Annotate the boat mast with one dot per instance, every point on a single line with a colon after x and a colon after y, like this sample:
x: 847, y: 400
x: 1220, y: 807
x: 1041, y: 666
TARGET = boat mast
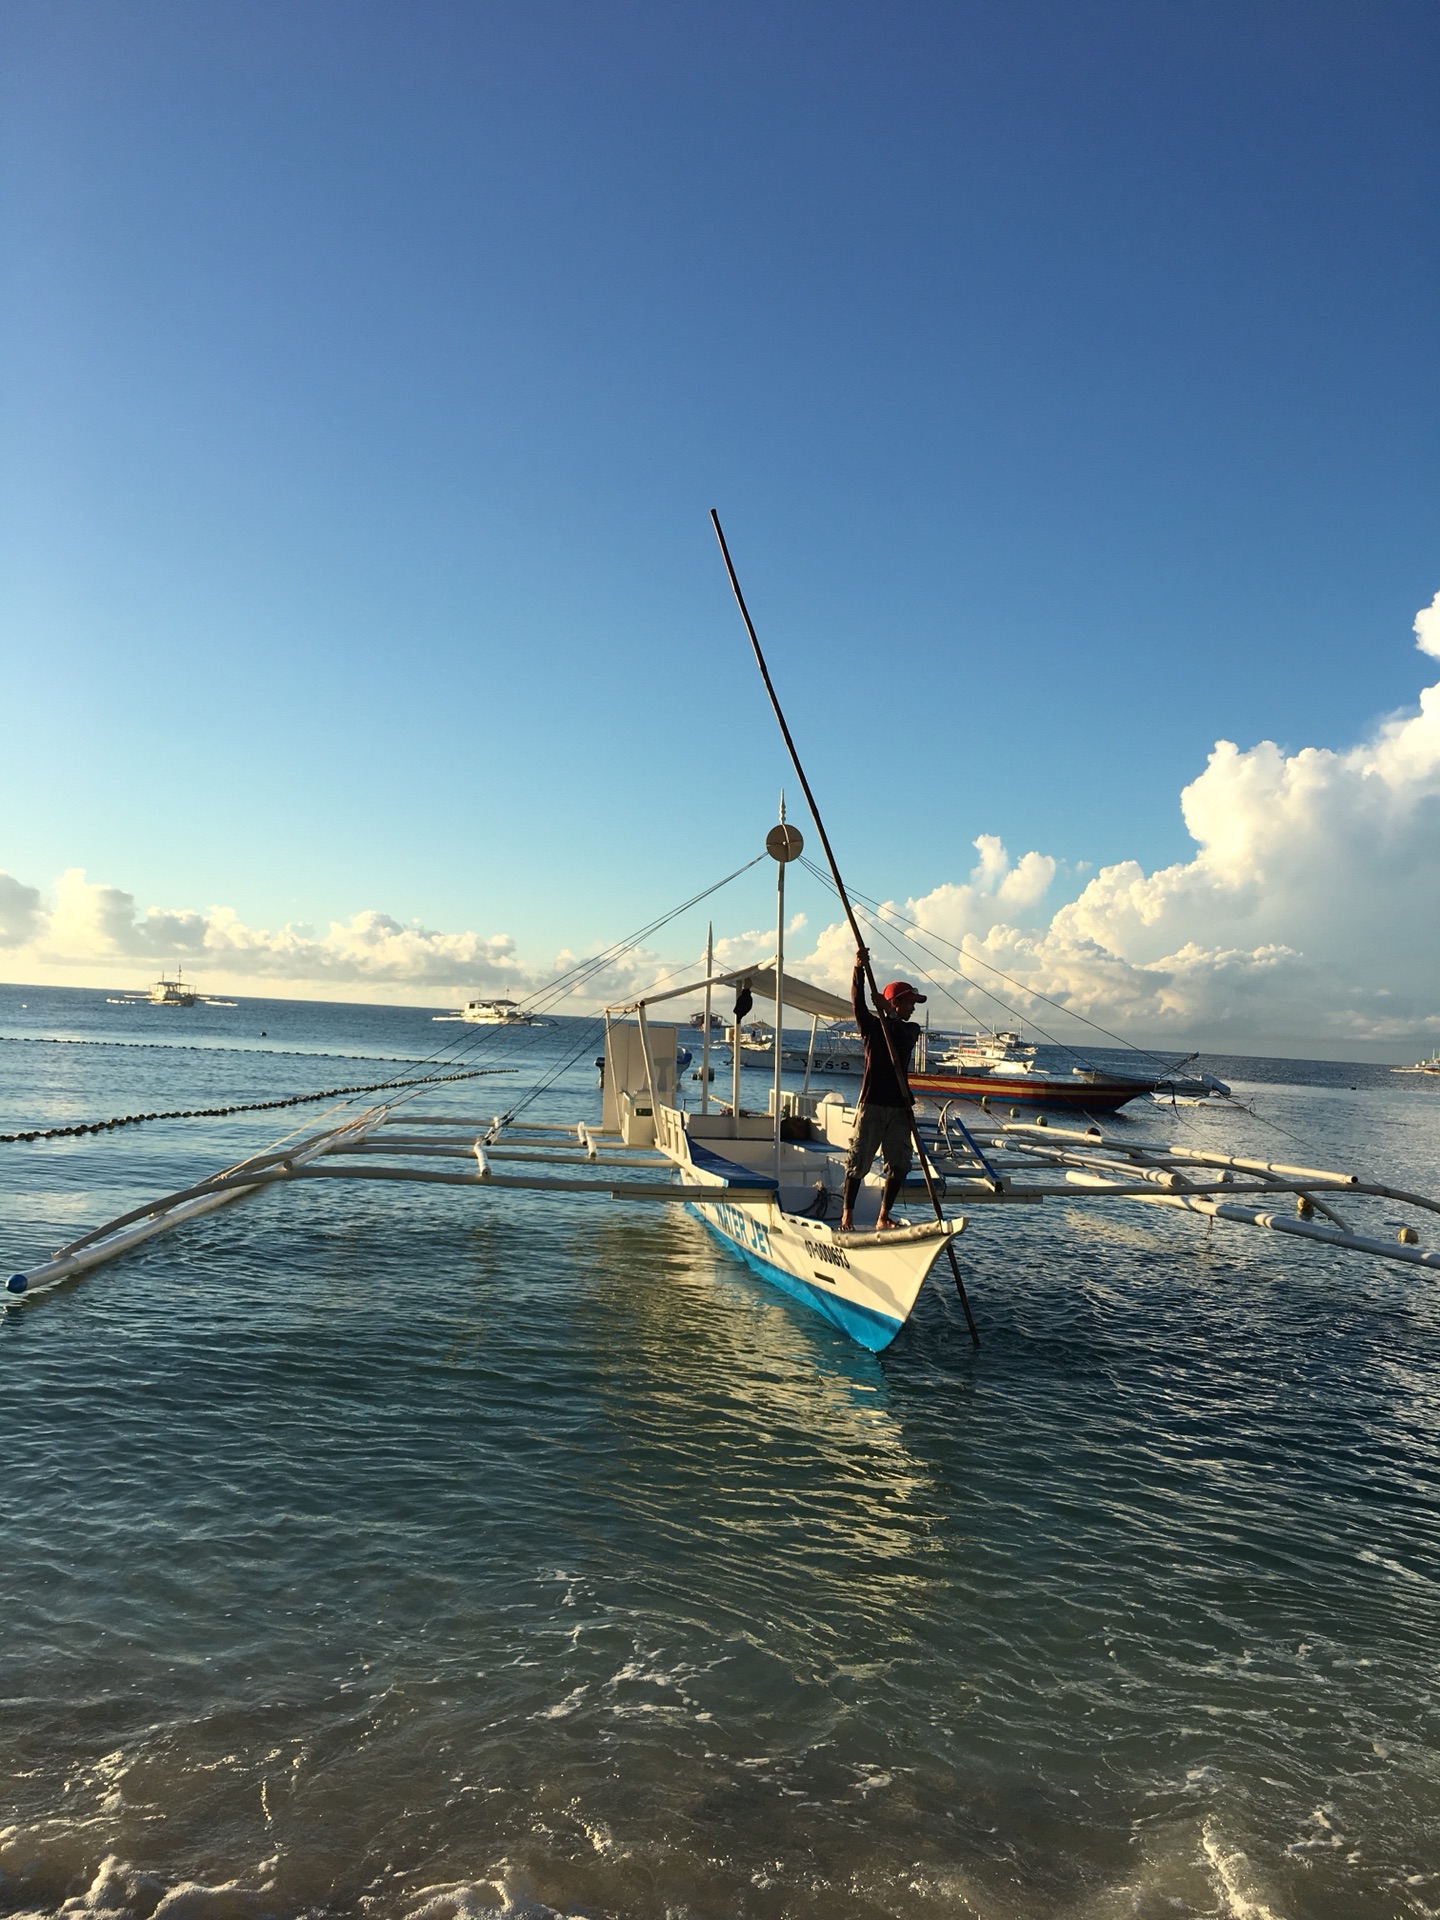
x: 991, y: 1177
x: 783, y: 844
x: 705, y: 1051
x: 735, y: 1071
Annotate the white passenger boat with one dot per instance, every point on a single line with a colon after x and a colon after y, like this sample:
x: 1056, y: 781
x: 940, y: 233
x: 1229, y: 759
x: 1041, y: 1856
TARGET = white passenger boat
x: 496, y: 1013
x: 491, y: 1013
x: 1432, y: 1065
x: 834, y: 1048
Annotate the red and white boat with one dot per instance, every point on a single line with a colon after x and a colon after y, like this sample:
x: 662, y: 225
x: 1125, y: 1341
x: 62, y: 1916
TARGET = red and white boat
x: 1000, y: 1068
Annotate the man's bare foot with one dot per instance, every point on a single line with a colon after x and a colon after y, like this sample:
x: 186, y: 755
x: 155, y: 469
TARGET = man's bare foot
x: 884, y: 1223
x: 847, y: 1225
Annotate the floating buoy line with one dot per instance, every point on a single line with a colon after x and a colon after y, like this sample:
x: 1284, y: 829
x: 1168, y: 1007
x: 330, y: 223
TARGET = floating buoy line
x: 181, y: 1046
x: 249, y: 1106
x: 291, y: 1156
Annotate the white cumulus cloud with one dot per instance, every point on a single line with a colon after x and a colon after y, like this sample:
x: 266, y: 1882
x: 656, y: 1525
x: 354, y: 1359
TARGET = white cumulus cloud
x: 1307, y: 914
x: 1310, y: 908
x: 92, y: 931
x: 1427, y: 628
x: 21, y: 912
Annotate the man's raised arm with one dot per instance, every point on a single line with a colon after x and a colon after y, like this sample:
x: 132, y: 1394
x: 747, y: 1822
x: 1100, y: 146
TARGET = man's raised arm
x: 857, y: 992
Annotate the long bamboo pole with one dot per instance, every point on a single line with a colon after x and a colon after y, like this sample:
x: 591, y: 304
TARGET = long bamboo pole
x: 860, y: 945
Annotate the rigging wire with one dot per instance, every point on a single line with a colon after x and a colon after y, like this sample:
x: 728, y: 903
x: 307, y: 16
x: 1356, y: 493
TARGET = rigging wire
x: 1145, y: 1053
x: 437, y: 1059
x: 874, y: 923
x: 871, y: 916
x: 463, y: 1047
x: 593, y: 1029
x: 893, y: 912
x: 548, y: 997
x: 875, y: 916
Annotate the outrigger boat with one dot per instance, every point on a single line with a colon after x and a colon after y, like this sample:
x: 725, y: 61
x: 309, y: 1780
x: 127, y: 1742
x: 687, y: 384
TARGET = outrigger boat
x: 767, y: 1184
x: 166, y: 992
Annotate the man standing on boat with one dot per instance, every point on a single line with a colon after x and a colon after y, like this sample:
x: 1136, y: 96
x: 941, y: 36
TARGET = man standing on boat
x: 882, y: 1120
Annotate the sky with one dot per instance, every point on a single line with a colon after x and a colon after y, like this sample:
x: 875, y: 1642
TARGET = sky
x: 1066, y: 379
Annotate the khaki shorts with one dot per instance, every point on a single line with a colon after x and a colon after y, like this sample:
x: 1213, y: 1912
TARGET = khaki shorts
x: 882, y: 1130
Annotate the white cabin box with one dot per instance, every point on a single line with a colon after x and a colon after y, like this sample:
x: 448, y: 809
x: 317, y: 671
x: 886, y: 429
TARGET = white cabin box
x: 629, y: 1107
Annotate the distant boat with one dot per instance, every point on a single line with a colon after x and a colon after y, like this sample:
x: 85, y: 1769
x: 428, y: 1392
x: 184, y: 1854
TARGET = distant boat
x: 837, y: 1048
x: 1432, y: 1065
x: 1001, y: 1066
x: 492, y: 1013
x: 172, y: 993
x: 166, y: 992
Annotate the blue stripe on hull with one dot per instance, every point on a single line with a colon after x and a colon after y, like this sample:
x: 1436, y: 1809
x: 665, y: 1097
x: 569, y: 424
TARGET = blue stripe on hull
x: 863, y: 1324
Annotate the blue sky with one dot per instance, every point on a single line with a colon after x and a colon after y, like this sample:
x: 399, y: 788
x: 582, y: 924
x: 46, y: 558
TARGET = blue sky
x: 1065, y: 375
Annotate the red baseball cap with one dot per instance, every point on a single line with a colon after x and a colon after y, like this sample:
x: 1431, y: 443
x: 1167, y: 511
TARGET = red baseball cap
x: 902, y: 990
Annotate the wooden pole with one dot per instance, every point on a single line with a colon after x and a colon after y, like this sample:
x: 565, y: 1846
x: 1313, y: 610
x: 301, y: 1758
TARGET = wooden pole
x: 860, y: 946
x: 775, y: 1081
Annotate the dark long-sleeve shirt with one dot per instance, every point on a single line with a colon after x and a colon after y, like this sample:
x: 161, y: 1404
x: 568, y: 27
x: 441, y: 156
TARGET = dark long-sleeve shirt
x: 879, y: 1087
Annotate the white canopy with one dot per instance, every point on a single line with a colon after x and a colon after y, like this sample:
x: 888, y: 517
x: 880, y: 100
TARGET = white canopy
x: 800, y: 996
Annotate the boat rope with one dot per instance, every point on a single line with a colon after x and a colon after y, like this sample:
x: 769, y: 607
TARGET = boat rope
x: 872, y: 919
x: 445, y: 1056
x: 878, y: 921
x: 545, y: 999
x: 444, y: 1069
x: 593, y: 1030
x: 919, y: 935
x: 249, y: 1106
x: 901, y: 948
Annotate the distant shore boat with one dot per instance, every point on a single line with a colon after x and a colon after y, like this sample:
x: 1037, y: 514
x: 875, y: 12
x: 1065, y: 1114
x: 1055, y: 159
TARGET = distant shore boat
x: 166, y: 992
x: 492, y: 1013
x: 172, y: 993
x: 1432, y: 1065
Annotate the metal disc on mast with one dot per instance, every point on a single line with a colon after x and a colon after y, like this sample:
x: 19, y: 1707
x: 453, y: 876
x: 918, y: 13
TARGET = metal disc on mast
x: 784, y: 843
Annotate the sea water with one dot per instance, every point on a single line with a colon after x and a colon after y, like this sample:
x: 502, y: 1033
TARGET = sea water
x: 388, y: 1550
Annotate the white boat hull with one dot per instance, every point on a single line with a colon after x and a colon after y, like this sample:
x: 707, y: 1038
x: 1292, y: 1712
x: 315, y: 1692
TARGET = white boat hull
x: 867, y: 1290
